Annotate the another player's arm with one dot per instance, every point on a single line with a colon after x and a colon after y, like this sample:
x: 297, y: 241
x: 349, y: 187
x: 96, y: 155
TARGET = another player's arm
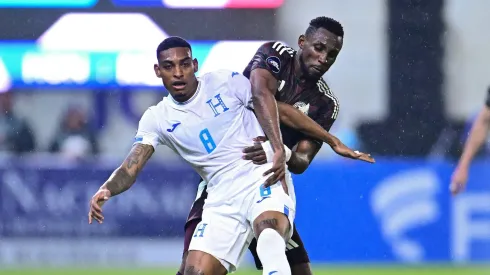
x: 476, y: 138
x: 295, y: 119
x: 264, y: 87
x: 306, y: 151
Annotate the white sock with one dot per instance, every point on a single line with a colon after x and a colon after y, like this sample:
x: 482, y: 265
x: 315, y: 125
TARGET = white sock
x: 271, y: 249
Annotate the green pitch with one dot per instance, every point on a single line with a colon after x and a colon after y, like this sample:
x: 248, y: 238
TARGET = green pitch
x: 317, y: 271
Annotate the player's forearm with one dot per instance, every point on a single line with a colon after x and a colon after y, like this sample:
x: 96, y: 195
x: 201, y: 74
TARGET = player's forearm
x: 298, y: 163
x: 125, y: 175
x: 119, y: 181
x: 265, y: 107
x: 295, y: 119
x: 476, y: 137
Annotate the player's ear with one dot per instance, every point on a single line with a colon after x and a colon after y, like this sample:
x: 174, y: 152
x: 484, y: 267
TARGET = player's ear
x: 301, y: 41
x: 157, y: 71
x: 196, y: 65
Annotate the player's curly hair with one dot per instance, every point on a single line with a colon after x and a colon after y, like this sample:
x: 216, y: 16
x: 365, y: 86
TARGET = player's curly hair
x: 327, y: 23
x: 173, y: 42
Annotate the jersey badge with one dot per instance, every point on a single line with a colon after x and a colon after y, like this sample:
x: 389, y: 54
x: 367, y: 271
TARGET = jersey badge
x: 274, y: 64
x: 303, y: 107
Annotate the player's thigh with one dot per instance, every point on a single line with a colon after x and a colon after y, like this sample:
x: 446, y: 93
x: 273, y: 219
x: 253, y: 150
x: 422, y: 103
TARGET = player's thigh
x: 199, y: 262
x: 223, y: 234
x: 273, y: 208
x: 275, y: 220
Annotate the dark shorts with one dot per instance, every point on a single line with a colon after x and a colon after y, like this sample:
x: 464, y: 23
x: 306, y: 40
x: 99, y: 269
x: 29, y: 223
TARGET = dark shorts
x: 295, y: 250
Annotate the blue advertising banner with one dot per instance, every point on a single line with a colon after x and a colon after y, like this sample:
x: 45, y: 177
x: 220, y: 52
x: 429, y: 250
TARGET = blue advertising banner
x: 53, y: 202
x: 394, y: 210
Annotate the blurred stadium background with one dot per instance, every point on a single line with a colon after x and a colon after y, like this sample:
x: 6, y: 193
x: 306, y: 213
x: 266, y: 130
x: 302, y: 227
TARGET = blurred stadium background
x: 76, y: 75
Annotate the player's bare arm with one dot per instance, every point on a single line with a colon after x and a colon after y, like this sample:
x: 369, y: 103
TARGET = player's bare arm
x: 264, y: 87
x: 120, y: 180
x: 300, y: 160
x: 295, y: 119
x: 476, y: 138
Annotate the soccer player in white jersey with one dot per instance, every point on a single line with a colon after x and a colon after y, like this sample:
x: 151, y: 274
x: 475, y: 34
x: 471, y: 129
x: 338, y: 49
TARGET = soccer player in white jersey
x: 207, y: 122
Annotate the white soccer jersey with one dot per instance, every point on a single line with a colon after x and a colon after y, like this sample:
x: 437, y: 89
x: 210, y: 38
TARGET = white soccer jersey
x: 209, y: 131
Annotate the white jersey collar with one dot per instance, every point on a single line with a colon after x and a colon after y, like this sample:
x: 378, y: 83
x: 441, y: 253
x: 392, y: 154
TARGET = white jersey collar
x: 190, y: 99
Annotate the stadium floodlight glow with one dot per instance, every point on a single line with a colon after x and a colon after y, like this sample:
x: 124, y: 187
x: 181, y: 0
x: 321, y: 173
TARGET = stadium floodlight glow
x: 102, y: 32
x: 206, y: 4
x: 195, y: 3
x: 5, y: 82
x: 47, y: 3
x: 66, y: 67
x: 215, y: 61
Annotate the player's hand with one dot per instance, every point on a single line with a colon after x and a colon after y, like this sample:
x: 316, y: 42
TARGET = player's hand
x: 256, y: 152
x: 458, y: 180
x: 96, y: 203
x: 345, y: 151
x: 278, y: 170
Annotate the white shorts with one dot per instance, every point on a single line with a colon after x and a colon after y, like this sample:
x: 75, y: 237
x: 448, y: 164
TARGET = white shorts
x: 226, y: 229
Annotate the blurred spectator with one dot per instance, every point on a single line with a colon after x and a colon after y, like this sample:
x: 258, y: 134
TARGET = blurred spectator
x: 15, y: 134
x: 75, y: 138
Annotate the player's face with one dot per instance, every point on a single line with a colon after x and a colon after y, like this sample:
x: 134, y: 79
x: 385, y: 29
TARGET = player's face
x: 177, y: 70
x: 319, y: 51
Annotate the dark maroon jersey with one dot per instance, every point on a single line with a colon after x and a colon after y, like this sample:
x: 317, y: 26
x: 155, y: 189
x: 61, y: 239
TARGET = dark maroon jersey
x: 488, y: 97
x: 314, y: 99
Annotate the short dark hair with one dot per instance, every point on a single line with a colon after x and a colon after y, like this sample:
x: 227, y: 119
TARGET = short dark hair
x: 327, y: 23
x: 173, y: 42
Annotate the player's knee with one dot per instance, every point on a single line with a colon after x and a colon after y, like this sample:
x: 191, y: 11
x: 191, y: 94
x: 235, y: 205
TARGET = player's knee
x: 273, y: 220
x: 192, y: 270
x: 201, y: 263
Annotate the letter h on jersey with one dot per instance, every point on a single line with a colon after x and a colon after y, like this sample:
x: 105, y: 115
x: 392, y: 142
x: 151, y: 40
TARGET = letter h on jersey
x: 215, y: 106
x: 200, y: 230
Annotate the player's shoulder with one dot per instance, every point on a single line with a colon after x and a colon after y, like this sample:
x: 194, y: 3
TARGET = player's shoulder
x: 277, y: 48
x: 220, y: 77
x: 159, y: 108
x: 327, y: 93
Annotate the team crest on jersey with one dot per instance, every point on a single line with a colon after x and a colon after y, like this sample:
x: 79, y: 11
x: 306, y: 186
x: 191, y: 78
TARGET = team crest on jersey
x: 274, y: 63
x: 303, y: 107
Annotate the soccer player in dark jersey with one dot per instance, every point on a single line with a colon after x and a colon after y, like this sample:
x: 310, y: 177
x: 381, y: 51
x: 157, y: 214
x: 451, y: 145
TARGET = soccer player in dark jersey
x: 293, y: 78
x: 476, y: 138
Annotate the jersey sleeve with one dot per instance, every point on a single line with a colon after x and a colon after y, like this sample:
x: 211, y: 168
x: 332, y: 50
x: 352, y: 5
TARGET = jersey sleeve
x: 487, y: 102
x: 240, y: 86
x: 271, y: 56
x: 148, y: 130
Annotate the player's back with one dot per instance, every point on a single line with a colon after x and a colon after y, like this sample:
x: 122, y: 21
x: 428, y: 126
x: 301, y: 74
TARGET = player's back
x: 211, y: 129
